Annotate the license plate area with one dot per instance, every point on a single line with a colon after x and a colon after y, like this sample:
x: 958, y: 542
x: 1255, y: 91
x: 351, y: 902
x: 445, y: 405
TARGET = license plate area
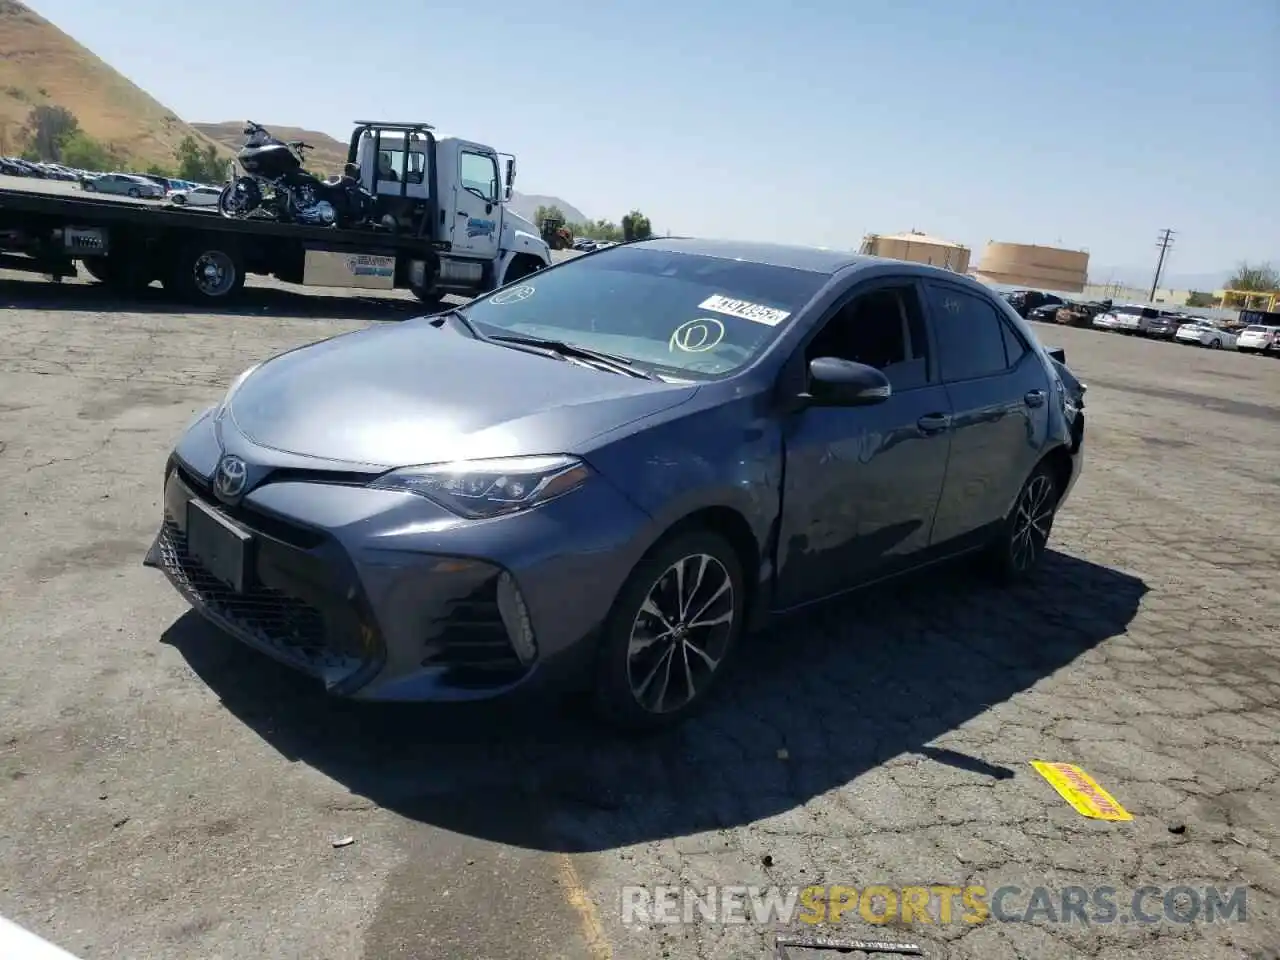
x: 218, y: 545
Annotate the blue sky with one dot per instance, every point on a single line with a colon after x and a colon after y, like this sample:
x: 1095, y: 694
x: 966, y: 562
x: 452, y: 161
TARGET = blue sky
x: 1088, y: 125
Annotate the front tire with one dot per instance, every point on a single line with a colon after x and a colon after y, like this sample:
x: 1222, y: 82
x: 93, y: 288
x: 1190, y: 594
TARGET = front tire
x: 1215, y: 344
x: 1019, y: 547
x: 672, y: 629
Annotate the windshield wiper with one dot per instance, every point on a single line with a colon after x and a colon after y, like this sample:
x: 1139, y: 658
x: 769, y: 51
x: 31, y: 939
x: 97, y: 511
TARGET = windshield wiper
x: 608, y: 360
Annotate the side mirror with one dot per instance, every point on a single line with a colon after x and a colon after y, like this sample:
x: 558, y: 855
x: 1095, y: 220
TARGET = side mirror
x: 1057, y: 353
x: 842, y: 383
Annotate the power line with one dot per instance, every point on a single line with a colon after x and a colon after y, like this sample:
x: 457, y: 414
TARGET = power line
x: 1164, y: 242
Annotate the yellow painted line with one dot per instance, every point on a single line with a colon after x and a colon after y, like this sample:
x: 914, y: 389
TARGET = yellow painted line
x: 1080, y: 790
x: 580, y: 900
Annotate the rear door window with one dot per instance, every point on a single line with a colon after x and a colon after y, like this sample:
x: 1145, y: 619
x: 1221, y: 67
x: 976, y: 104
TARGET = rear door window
x: 970, y: 334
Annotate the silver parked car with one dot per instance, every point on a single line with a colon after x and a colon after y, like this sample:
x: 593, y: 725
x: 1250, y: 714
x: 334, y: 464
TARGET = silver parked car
x: 124, y: 184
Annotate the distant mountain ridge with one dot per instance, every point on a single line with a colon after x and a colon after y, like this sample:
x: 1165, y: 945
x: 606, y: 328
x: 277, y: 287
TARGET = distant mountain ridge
x: 42, y: 66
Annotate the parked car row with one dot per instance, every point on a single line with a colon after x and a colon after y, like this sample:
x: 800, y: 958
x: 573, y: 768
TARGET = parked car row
x: 17, y: 167
x: 1147, y: 321
x: 586, y: 245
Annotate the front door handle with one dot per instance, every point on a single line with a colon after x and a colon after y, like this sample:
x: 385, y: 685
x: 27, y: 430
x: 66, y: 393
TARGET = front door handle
x: 934, y: 422
x: 1033, y: 398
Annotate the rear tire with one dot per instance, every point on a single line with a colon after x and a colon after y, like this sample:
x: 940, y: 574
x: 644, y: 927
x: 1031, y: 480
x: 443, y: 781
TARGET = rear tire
x: 664, y: 629
x: 1215, y: 344
x: 125, y: 275
x: 430, y: 298
x: 206, y: 273
x: 1024, y: 536
x: 133, y: 192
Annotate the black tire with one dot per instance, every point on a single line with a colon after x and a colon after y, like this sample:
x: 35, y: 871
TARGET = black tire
x: 1019, y: 547
x: 178, y: 201
x: 124, y: 274
x: 96, y: 267
x: 133, y: 192
x: 206, y: 273
x: 430, y: 298
x: 619, y: 674
x: 1215, y: 344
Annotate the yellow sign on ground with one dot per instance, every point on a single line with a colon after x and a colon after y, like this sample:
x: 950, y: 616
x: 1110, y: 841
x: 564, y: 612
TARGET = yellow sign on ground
x: 1081, y: 791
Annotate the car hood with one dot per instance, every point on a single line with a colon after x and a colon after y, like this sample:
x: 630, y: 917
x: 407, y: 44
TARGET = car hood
x: 415, y: 393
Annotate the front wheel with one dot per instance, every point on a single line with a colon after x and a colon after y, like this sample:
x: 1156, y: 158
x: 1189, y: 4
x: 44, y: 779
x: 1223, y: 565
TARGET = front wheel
x: 239, y: 198
x: 1215, y: 344
x: 671, y: 631
x: 178, y: 201
x: 1024, y: 536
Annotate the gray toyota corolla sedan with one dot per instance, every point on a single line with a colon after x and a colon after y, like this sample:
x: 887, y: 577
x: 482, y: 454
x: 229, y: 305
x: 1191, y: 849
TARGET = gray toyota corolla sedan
x: 604, y: 473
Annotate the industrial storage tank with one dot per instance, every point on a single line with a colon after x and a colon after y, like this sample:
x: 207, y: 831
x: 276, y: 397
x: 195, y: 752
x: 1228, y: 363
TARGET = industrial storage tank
x: 1027, y: 265
x: 918, y: 248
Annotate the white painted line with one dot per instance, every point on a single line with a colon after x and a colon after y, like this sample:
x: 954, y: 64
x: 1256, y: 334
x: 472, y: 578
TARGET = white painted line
x: 19, y: 944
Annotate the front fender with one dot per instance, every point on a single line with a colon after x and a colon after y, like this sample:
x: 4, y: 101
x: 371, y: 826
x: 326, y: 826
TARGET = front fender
x: 516, y: 243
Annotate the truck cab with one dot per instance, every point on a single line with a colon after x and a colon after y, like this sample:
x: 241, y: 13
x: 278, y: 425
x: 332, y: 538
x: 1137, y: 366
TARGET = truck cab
x: 450, y: 190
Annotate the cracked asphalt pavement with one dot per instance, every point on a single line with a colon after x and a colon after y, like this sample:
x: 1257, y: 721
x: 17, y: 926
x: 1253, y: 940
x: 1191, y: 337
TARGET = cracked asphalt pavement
x: 167, y: 793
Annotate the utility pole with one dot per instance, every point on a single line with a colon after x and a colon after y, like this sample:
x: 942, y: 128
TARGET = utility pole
x: 1164, y: 242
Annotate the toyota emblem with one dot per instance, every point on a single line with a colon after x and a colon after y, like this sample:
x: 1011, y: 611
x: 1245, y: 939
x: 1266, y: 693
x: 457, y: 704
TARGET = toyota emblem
x: 230, y: 478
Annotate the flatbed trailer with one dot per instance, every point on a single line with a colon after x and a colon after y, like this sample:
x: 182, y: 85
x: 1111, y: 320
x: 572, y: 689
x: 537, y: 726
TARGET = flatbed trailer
x: 195, y: 254
x: 441, y: 227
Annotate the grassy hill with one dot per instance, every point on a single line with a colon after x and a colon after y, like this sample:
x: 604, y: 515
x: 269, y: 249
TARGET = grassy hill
x: 42, y: 66
x: 328, y: 156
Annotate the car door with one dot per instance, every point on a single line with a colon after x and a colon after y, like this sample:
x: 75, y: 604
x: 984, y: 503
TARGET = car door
x: 476, y: 195
x: 999, y: 394
x: 861, y: 484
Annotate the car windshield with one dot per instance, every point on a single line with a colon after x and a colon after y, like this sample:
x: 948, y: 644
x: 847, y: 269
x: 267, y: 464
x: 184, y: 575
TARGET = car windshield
x: 674, y: 314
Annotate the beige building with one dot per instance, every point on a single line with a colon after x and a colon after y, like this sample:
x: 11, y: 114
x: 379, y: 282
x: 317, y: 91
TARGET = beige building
x: 918, y: 248
x: 1028, y: 265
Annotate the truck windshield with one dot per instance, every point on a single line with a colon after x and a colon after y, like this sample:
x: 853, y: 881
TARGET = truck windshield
x: 674, y: 314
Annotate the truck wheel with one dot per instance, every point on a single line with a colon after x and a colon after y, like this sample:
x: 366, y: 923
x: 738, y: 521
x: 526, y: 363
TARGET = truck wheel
x: 96, y: 267
x: 429, y: 297
x: 124, y: 275
x: 206, y: 273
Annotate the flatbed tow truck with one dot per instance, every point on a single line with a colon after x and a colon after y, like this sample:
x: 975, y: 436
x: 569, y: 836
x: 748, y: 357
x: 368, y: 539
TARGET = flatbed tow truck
x: 440, y: 227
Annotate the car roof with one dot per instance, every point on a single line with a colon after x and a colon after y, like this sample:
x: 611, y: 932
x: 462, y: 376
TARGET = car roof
x: 813, y: 259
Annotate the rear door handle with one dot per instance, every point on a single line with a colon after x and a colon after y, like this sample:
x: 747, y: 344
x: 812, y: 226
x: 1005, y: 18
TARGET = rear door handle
x: 1033, y: 398
x: 934, y: 422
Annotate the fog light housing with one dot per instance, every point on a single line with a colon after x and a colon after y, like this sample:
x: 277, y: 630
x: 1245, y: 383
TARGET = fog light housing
x: 516, y: 619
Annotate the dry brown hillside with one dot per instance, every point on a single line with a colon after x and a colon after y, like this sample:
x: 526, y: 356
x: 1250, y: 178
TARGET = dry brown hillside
x: 40, y: 65
x: 328, y: 156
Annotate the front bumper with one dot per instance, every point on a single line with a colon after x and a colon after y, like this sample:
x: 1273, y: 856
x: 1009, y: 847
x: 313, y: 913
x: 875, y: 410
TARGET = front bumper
x: 385, y: 596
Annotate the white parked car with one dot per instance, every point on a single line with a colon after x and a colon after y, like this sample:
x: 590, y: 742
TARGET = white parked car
x: 195, y: 197
x: 1128, y: 318
x: 1205, y: 334
x: 1260, y: 339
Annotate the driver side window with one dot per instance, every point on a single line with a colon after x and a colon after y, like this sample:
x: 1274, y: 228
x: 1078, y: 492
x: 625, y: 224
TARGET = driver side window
x: 882, y: 329
x: 480, y: 173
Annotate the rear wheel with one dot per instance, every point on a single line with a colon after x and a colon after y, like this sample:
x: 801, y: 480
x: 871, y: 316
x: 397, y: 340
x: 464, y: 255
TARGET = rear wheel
x: 429, y: 297
x: 1215, y: 344
x: 1024, y: 536
x: 124, y: 274
x: 133, y: 192
x: 672, y: 628
x: 206, y: 272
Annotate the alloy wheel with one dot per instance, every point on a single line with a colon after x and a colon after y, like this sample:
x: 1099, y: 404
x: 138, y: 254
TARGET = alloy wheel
x: 1032, y: 522
x: 681, y: 633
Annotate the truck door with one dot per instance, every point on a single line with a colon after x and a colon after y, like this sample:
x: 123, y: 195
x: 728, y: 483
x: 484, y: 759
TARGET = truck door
x: 476, y: 210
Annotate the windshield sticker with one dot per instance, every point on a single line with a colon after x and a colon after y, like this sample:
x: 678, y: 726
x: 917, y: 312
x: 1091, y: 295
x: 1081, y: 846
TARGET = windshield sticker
x: 514, y: 295
x: 744, y: 310
x: 697, y: 336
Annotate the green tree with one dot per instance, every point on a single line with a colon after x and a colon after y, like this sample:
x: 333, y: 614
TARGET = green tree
x: 156, y: 170
x: 1262, y: 277
x: 83, y: 152
x: 1198, y: 298
x: 47, y: 129
x: 636, y: 226
x: 545, y: 212
x: 200, y: 164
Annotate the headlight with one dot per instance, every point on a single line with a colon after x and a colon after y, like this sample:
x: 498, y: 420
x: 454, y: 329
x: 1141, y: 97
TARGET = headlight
x: 231, y: 391
x: 490, y: 488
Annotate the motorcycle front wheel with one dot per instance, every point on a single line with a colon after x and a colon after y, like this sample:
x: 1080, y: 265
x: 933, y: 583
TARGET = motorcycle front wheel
x: 239, y: 198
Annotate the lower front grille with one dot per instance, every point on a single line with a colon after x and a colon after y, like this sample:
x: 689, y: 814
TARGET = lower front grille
x: 275, y: 619
x: 471, y: 639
